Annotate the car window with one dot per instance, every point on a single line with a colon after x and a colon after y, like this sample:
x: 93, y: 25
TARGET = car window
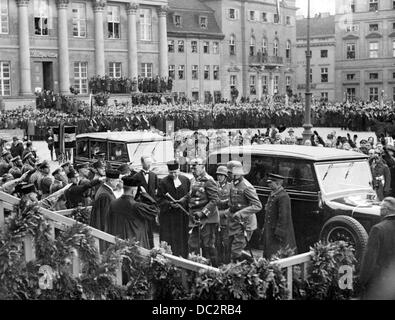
x: 82, y: 148
x: 118, y: 152
x: 298, y: 175
x: 98, y: 147
x: 260, y: 168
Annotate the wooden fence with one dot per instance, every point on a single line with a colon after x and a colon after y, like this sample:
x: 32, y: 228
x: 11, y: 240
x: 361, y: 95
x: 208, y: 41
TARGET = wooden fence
x: 59, y: 220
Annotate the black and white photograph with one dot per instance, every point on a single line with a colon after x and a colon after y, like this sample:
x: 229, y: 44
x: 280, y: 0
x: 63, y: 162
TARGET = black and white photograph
x: 197, y: 155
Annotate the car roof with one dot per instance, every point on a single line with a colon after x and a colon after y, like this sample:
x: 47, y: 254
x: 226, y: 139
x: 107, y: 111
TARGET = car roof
x: 294, y: 151
x: 125, y: 136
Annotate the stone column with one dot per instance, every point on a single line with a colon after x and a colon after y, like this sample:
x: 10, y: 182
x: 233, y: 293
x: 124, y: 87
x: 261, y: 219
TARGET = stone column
x: 132, y: 40
x: 259, y: 92
x: 98, y: 9
x: 163, y: 62
x: 24, y: 48
x: 63, y: 44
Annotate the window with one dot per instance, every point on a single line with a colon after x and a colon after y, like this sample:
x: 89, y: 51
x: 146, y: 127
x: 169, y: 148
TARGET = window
x: 181, y: 72
x: 264, y: 84
x: 393, y: 93
x: 373, y: 5
x: 216, y: 72
x: 206, y: 72
x: 393, y: 7
x: 393, y: 75
x: 393, y: 26
x: 264, y: 16
x: 311, y: 74
x: 252, y: 46
x: 373, y: 27
x: 288, y: 50
x: 113, y: 22
x: 288, y: 20
x: 351, y: 94
x: 206, y: 47
x: 194, y: 46
x: 298, y: 175
x: 172, y: 71
x: 215, y: 47
x: 373, y: 94
x: 79, y: 19
x: 350, y: 76
x: 288, y: 82
x: 324, y: 74
x: 275, y: 48
x: 145, y: 24
x: 350, y: 51
x: 97, y: 147
x: 146, y: 70
x: 373, y: 76
x: 264, y: 46
x: 276, y: 18
x: 373, y: 50
x: 83, y: 148
x: 259, y: 170
x: 170, y: 45
x: 324, y: 96
x: 4, y: 16
x: 233, y: 80
x: 252, y: 85
x: 233, y: 14
x: 203, y: 22
x: 393, y: 48
x: 81, y: 76
x: 232, y: 45
x: 5, y: 79
x: 352, y: 6
x: 41, y: 17
x: 324, y: 53
x: 115, y: 70
x: 253, y: 15
x: 195, y: 74
x: 177, y: 20
x: 276, y: 84
x: 352, y: 28
x: 118, y: 152
x: 180, y: 46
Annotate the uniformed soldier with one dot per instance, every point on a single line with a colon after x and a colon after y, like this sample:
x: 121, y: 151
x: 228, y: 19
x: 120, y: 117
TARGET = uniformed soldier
x: 243, y: 205
x: 85, y: 179
x: 223, y: 205
x: 5, y: 164
x: 203, y: 199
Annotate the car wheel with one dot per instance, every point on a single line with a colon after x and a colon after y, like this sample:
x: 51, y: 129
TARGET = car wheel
x: 345, y: 228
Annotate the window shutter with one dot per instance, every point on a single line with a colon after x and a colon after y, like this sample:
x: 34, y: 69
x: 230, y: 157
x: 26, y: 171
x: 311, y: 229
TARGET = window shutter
x: 237, y: 14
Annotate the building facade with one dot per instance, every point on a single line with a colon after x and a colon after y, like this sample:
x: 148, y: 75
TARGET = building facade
x: 258, y: 55
x: 365, y: 49
x: 53, y: 45
x: 194, y: 48
x: 322, y: 63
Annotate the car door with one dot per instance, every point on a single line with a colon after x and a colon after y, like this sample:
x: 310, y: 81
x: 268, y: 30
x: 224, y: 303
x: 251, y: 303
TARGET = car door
x: 301, y: 184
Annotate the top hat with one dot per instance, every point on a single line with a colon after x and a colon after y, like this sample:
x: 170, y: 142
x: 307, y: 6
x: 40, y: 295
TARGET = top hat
x: 173, y: 165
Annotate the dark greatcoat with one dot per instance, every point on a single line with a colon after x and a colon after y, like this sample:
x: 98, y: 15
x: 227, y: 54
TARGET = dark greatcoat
x: 129, y: 219
x: 278, y: 226
x: 174, y: 222
x: 378, y: 262
x: 101, y: 207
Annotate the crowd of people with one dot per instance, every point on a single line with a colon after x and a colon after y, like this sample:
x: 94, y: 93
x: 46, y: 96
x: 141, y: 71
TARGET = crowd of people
x: 122, y: 116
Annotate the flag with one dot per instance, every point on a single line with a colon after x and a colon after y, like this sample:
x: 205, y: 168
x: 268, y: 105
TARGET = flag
x: 278, y: 10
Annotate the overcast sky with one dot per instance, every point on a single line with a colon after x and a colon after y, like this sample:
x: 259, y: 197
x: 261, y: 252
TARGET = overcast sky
x: 316, y: 6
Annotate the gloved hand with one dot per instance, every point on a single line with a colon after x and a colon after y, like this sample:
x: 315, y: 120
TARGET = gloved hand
x: 198, y: 215
x: 174, y: 205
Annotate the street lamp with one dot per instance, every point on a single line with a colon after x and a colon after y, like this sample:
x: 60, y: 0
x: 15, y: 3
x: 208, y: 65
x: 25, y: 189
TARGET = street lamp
x: 307, y: 133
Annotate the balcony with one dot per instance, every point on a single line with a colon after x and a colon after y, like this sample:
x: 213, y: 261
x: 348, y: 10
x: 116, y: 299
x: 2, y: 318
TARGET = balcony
x: 270, y: 61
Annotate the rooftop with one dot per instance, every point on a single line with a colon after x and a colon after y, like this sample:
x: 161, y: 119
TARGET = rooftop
x: 125, y: 136
x: 189, y: 11
x: 319, y: 26
x: 296, y: 151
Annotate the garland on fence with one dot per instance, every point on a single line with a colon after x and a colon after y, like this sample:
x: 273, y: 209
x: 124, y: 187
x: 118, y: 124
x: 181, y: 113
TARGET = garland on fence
x: 144, y: 278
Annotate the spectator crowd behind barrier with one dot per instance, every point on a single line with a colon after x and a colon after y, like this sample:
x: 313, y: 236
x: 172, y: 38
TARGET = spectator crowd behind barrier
x: 352, y: 116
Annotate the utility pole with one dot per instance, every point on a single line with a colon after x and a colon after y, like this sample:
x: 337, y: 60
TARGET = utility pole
x: 307, y: 133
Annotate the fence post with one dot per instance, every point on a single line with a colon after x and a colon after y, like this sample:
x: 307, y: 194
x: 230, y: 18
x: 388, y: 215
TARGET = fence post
x: 118, y: 274
x: 28, y: 245
x: 289, y: 282
x: 1, y: 215
x: 75, y: 263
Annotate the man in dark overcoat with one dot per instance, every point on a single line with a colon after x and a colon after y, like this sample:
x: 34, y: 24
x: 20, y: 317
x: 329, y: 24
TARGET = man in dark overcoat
x: 103, y: 197
x: 377, y: 273
x: 173, y: 221
x: 278, y: 230
x: 130, y: 219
